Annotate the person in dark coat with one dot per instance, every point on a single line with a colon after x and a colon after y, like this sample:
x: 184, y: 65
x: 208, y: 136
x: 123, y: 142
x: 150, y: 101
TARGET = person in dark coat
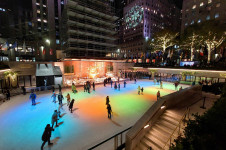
x: 124, y: 84
x: 93, y: 86
x: 71, y: 105
x: 24, y: 90
x: 60, y: 98
x: 109, y: 111
x: 107, y: 100
x: 7, y: 94
x: 115, y: 86
x: 55, y: 118
x: 46, y: 135
x: 119, y: 86
x: 53, y: 88
x: 33, y: 97
x: 111, y: 83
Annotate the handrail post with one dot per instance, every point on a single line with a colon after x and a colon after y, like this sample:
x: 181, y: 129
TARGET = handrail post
x: 116, y: 143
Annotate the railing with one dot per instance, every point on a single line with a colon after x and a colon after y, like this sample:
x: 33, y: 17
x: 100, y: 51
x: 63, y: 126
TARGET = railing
x: 186, y: 114
x: 116, y: 146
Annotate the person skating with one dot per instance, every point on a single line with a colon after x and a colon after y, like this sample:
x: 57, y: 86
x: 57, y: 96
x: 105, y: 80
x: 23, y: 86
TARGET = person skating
x: 59, y: 88
x: 115, y: 86
x: 46, y: 135
x: 180, y: 88
x: 54, y: 97
x: 68, y: 99
x: 161, y: 87
x: 176, y: 85
x: 138, y: 90
x: 73, y: 88
x: 55, y: 118
x: 158, y: 95
x: 154, y: 81
x: 53, y: 88
x: 109, y: 111
x: 71, y: 105
x: 33, y: 97
x: 84, y: 87
x: 124, y: 84
x: 107, y: 100
x: 88, y: 87
x: 104, y: 82
x: 142, y: 91
x: 7, y: 94
x: 24, y: 90
x: 119, y: 86
x: 93, y: 86
x: 135, y: 80
x: 60, y: 98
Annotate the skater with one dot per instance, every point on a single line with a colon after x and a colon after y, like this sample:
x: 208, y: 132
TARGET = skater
x: 119, y: 86
x: 60, y: 98
x: 68, y: 99
x: 109, y: 111
x: 158, y: 95
x: 73, y: 88
x: 104, y: 82
x: 111, y: 83
x: 154, y: 81
x: 46, y: 135
x: 107, y: 100
x: 33, y: 97
x: 142, y: 90
x: 24, y: 90
x: 88, y: 87
x: 84, y: 87
x: 161, y: 85
x: 135, y: 80
x: 53, y: 88
x: 176, y: 85
x: 71, y: 105
x: 124, y: 84
x: 93, y: 86
x: 54, y: 97
x: 115, y: 86
x: 54, y: 118
x: 138, y: 90
x: 7, y: 94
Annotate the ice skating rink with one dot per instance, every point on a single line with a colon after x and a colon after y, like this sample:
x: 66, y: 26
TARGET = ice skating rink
x: 22, y: 125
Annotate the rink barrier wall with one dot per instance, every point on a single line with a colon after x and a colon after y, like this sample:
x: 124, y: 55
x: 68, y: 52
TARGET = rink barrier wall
x: 179, y: 99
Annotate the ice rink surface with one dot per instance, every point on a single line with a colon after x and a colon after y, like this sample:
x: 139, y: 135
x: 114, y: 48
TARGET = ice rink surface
x: 22, y: 125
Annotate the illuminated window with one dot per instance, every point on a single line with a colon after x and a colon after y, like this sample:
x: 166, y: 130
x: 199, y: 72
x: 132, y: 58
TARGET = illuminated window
x: 199, y: 20
x: 186, y: 24
x: 39, y: 19
x: 218, y: 5
x: 208, y: 18
x: 216, y: 15
x: 45, y: 21
x: 192, y: 22
x: 209, y: 1
x: 44, y: 5
x: 38, y: 11
x: 37, y: 4
x: 201, y: 4
x: 194, y: 6
x: 187, y: 9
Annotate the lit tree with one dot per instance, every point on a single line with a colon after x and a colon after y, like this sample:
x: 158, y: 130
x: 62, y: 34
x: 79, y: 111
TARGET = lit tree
x: 212, y: 35
x: 163, y: 39
x: 190, y: 39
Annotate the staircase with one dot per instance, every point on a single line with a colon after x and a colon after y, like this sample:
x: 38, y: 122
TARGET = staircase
x: 159, y: 134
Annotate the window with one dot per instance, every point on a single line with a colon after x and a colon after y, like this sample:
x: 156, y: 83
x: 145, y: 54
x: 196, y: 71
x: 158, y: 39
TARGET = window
x: 57, y: 41
x: 39, y: 19
x: 186, y: 24
x: 201, y: 4
x: 38, y: 11
x: 209, y: 1
x: 208, y: 18
x: 194, y: 6
x: 199, y: 20
x: 216, y: 15
x: 192, y: 22
x: 45, y: 21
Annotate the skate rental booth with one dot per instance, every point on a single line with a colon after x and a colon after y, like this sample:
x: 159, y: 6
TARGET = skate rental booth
x: 48, y: 75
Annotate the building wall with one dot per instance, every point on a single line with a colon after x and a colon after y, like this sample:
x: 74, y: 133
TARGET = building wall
x: 197, y: 11
x: 153, y: 16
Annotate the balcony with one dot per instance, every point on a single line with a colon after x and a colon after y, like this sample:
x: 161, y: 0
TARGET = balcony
x: 91, y: 42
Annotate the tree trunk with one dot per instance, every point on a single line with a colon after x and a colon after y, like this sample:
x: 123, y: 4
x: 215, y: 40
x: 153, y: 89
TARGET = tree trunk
x: 209, y: 53
x: 191, y: 53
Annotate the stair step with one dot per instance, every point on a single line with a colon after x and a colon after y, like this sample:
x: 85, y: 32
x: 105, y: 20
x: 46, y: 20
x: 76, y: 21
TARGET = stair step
x: 161, y: 138
x: 144, y: 144
x: 171, y: 121
x: 165, y: 124
x: 173, y: 113
x: 176, y: 118
x: 152, y: 143
x: 155, y: 139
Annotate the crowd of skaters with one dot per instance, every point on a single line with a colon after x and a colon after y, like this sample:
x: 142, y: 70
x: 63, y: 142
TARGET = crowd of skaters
x: 57, y: 113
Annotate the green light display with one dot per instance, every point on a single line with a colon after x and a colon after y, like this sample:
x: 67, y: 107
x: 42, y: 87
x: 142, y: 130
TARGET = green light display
x: 134, y: 17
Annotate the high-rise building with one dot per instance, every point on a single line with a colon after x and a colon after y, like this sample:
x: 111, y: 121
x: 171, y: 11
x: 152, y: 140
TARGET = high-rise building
x: 197, y: 11
x: 142, y: 18
x: 89, y: 29
x: 46, y: 18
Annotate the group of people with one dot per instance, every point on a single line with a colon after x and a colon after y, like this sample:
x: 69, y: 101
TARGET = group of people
x: 87, y: 86
x: 7, y: 94
x: 140, y: 90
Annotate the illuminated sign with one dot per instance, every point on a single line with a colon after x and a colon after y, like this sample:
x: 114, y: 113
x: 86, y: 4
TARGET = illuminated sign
x: 134, y: 17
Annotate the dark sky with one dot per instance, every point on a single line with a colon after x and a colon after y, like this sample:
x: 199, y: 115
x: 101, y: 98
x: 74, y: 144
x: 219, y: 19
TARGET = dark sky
x: 178, y: 3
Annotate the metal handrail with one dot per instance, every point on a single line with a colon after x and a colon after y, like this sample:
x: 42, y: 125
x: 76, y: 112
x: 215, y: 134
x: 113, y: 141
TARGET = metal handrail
x: 110, y: 138
x: 183, y: 117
